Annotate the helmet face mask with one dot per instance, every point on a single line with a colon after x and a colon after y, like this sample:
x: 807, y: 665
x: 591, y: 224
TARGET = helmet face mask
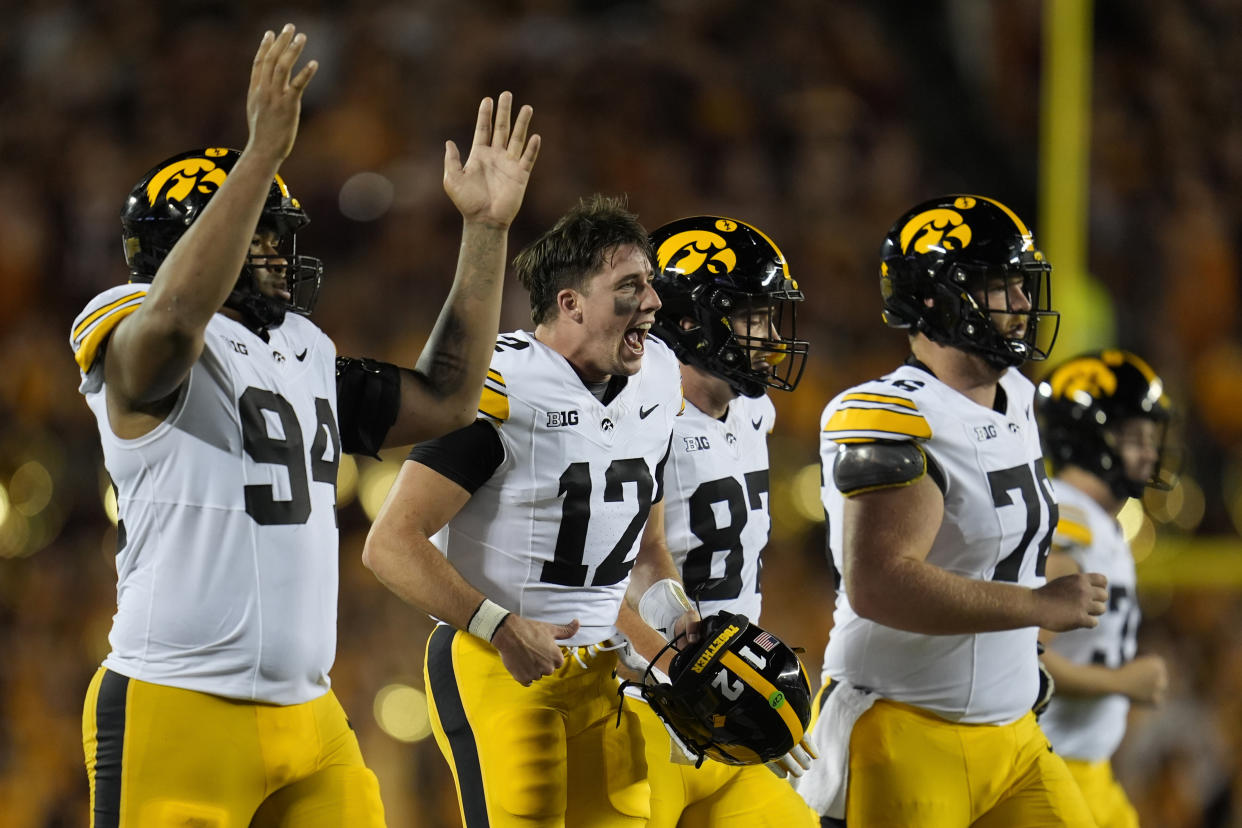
x: 1106, y: 412
x: 738, y: 696
x: 718, y: 278
x: 940, y: 266
x: 171, y: 197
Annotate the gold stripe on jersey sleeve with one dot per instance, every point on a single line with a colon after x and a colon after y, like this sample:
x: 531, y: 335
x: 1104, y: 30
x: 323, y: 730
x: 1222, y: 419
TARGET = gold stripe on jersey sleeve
x: 880, y: 398
x: 879, y: 420
x: 769, y: 691
x: 1076, y: 532
x: 85, y: 355
x: 86, y: 323
x: 494, y: 401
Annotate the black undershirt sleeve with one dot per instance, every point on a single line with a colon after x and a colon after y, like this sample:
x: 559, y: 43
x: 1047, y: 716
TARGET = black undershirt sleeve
x: 468, y: 456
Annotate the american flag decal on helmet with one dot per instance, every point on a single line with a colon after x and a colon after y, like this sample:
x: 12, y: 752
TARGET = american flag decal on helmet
x: 766, y: 641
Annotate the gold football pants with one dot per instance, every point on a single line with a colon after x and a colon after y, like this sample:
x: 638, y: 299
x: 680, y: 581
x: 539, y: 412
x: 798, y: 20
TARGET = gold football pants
x: 557, y: 753
x: 714, y: 794
x: 1105, y: 797
x: 911, y: 767
x: 162, y: 756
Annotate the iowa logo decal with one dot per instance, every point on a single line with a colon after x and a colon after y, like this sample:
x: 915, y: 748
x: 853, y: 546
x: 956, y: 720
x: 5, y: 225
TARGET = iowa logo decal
x: 1092, y: 376
x: 176, y: 181
x: 940, y: 228
x: 693, y: 250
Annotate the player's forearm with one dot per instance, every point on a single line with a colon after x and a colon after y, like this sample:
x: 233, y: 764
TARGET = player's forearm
x: 448, y: 376
x: 1074, y: 679
x: 418, y: 574
x: 919, y: 597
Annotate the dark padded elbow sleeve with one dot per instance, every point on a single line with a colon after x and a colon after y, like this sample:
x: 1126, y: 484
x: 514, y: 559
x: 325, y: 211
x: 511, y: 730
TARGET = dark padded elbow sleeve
x: 368, y: 396
x: 883, y: 464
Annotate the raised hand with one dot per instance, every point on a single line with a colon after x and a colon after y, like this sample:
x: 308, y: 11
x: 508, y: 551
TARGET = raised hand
x: 274, y: 102
x: 528, y: 648
x: 1073, y: 601
x: 490, y: 186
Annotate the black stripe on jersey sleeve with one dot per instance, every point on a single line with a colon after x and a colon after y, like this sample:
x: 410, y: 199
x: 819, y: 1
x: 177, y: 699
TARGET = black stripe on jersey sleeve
x: 456, y: 726
x: 659, y: 471
x: 109, y: 749
x: 468, y: 456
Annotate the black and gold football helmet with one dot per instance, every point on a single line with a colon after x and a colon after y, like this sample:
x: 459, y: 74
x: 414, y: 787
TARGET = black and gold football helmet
x: 172, y: 196
x: 936, y: 264
x: 739, y: 696
x: 711, y: 268
x: 1083, y: 403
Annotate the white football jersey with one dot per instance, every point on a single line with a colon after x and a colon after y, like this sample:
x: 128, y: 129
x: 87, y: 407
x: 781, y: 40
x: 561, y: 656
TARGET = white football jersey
x: 716, y: 504
x: 999, y: 515
x: 227, y: 559
x: 1091, y: 727
x: 553, y: 533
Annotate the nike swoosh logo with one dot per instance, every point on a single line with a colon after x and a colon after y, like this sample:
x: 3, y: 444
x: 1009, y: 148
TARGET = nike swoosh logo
x: 302, y: 356
x: 757, y: 423
x: 643, y: 412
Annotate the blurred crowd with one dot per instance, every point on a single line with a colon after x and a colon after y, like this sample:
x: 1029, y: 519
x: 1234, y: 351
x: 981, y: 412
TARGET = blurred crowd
x: 819, y: 121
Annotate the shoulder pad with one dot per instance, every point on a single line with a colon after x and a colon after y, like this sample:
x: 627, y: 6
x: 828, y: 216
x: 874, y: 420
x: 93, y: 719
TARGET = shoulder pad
x: 865, y: 467
x: 864, y: 415
x: 99, y: 318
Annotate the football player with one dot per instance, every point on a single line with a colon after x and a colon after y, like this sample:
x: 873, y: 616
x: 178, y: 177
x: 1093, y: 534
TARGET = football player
x: 940, y: 519
x: 728, y: 311
x: 222, y: 411
x: 547, y: 514
x: 1103, y: 420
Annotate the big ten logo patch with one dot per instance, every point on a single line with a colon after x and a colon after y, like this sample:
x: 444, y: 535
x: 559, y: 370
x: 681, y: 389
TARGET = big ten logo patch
x: 556, y: 419
x: 696, y: 443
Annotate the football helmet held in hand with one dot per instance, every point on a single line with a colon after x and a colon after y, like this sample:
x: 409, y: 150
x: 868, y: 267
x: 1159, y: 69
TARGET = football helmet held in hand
x: 171, y: 197
x: 739, y: 695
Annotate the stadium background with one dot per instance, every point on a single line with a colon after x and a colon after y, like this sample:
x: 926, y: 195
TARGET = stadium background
x: 1119, y: 133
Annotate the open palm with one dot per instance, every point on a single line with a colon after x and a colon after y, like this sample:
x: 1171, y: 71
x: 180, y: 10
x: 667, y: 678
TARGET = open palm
x: 490, y: 186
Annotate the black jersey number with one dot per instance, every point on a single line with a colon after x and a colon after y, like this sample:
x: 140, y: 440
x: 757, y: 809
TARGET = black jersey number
x: 286, y: 451
x: 1031, y: 488
x: 566, y: 568
x: 714, y: 538
x: 1120, y: 600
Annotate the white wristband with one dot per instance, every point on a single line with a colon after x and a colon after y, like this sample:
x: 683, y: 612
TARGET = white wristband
x: 487, y: 619
x: 662, y: 604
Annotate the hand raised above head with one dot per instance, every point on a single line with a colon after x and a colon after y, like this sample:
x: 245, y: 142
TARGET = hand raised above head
x: 490, y: 186
x: 274, y: 102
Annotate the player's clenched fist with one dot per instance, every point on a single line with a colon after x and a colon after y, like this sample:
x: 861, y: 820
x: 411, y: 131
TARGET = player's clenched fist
x: 1073, y: 601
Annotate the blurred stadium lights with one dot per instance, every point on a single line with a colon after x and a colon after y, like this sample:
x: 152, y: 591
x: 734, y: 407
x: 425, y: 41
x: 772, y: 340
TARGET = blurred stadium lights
x: 374, y: 481
x: 1138, y: 528
x: 346, y: 480
x: 30, y: 489
x: 401, y: 712
x: 804, y: 494
x: 365, y: 196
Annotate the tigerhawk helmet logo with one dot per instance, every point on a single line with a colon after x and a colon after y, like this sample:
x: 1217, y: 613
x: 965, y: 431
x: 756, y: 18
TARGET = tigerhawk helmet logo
x: 940, y: 228
x: 176, y: 181
x: 1089, y: 375
x: 691, y: 250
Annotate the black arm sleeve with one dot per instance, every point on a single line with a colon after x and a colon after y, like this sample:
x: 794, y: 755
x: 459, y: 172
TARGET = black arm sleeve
x: 368, y: 396
x: 467, y: 456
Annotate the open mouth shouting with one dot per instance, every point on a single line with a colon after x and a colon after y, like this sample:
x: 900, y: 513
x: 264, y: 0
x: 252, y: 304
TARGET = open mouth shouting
x: 636, y: 337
